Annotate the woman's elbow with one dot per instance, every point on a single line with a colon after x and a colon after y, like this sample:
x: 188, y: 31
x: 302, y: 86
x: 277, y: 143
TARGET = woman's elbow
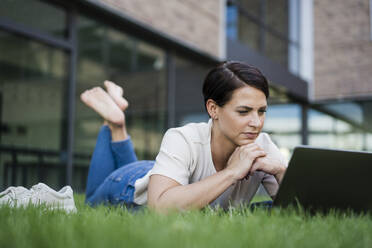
x: 160, y: 207
x: 156, y: 203
x: 153, y: 204
x: 159, y: 195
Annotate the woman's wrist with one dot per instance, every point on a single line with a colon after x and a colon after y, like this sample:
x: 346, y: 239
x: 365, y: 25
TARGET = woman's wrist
x: 280, y: 174
x: 230, y: 175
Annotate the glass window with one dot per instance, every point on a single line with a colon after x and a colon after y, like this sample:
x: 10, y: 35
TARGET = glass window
x: 344, y: 125
x: 276, y: 49
x: 249, y: 33
x: 106, y: 53
x: 283, y: 123
x: 366, y: 107
x: 32, y: 106
x: 231, y: 21
x: 37, y: 15
x: 330, y: 132
x: 368, y: 141
x: 189, y: 78
x: 278, y: 95
x: 265, y: 27
x: 349, y: 110
x: 276, y: 15
x: 253, y: 7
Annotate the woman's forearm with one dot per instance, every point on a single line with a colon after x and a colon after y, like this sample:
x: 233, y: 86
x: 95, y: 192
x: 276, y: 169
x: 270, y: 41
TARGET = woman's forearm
x: 196, y: 195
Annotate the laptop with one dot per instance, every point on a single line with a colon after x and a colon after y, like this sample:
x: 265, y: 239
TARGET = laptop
x: 322, y: 179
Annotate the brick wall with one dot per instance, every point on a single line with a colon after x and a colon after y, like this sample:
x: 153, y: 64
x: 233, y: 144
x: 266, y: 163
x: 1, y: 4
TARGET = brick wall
x: 192, y: 21
x: 342, y: 49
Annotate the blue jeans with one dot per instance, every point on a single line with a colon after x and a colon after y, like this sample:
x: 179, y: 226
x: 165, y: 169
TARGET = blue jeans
x: 113, y: 171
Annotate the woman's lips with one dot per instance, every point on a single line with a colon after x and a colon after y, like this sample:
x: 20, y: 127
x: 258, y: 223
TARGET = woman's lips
x: 249, y: 135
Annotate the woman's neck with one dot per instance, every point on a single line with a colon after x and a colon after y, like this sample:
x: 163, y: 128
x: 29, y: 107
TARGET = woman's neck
x: 221, y: 148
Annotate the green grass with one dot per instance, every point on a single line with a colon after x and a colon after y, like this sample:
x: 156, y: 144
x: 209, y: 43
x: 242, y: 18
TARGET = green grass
x: 116, y: 227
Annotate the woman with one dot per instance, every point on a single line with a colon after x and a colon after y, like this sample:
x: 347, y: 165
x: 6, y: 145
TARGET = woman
x: 221, y: 162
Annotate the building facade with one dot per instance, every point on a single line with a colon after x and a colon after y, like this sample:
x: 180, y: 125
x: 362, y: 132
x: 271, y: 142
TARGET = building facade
x: 342, y: 50
x: 316, y: 54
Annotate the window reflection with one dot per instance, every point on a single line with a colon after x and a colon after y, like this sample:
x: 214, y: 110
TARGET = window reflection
x: 253, y: 7
x: 32, y: 110
x: 249, y: 33
x: 264, y: 27
x: 231, y: 20
x: 189, y: 102
x: 283, y: 123
x: 276, y: 15
x: 344, y: 125
x: 276, y: 48
x: 330, y: 132
x: 348, y: 110
x: 37, y: 15
x: 32, y: 86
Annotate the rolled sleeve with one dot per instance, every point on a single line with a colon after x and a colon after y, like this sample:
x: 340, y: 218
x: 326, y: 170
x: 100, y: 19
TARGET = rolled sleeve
x: 174, y: 157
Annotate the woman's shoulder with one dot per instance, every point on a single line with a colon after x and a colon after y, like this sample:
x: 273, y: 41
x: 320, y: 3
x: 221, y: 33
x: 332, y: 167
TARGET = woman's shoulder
x: 194, y: 132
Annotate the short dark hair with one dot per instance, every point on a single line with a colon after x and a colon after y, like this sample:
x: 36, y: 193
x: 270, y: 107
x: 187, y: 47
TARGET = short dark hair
x: 228, y: 76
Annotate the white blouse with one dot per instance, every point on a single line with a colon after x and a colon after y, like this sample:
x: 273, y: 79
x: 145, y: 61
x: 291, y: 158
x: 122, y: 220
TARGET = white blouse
x: 185, y: 156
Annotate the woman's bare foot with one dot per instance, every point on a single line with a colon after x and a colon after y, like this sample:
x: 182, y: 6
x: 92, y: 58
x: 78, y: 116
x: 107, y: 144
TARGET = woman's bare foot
x: 116, y: 93
x: 103, y: 104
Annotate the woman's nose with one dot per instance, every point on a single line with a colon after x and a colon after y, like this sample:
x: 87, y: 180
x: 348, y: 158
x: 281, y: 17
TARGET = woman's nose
x: 254, y: 121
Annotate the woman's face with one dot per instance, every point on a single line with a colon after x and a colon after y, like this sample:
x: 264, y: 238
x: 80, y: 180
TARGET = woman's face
x: 241, y: 119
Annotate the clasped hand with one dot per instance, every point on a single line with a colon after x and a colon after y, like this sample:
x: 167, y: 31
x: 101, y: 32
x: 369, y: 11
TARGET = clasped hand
x: 249, y: 158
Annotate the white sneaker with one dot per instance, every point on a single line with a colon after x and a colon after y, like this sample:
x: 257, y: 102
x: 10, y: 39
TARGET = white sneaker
x: 39, y: 194
x: 14, y: 196
x: 43, y: 194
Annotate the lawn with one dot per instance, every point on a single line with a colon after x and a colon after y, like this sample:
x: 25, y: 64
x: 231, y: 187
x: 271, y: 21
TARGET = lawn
x: 117, y: 227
